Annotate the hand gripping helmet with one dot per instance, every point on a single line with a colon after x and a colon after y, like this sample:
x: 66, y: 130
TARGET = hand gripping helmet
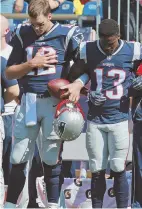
x: 69, y: 120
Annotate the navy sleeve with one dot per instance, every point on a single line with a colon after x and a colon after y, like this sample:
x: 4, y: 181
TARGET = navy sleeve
x: 5, y: 82
x: 17, y: 54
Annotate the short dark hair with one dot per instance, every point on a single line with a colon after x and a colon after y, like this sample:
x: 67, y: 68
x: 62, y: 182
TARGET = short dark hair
x: 37, y: 7
x: 109, y: 27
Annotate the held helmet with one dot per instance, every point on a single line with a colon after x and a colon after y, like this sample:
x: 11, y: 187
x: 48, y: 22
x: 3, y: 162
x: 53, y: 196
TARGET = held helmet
x: 69, y: 120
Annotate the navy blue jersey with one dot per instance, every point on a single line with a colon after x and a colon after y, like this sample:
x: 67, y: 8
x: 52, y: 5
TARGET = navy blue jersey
x: 110, y: 75
x: 5, y: 83
x: 62, y: 39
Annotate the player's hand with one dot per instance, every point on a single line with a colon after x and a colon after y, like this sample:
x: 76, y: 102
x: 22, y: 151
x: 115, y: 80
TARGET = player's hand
x: 44, y: 60
x: 137, y: 83
x: 97, y: 98
x: 72, y: 91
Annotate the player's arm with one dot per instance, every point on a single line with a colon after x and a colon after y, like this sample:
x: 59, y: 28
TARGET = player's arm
x: 77, y: 70
x: 74, y: 38
x: 11, y: 93
x: 79, y: 78
x: 74, y: 52
x: 79, y: 66
x: 11, y: 87
x: 17, y: 68
x: 78, y: 74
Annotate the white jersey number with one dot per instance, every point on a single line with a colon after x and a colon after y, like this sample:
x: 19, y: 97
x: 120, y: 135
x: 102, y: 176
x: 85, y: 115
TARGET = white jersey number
x: 41, y: 71
x: 118, y: 84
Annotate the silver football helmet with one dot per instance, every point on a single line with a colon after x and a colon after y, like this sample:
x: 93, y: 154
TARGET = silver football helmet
x: 69, y: 120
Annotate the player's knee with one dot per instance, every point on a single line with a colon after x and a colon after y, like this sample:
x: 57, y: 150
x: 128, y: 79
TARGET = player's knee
x: 51, y: 157
x: 117, y: 165
x: 96, y: 166
x: 49, y: 160
x: 15, y: 159
x: 21, y: 151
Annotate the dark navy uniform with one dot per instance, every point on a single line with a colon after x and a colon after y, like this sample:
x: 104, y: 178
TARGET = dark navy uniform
x: 62, y: 39
x: 107, y: 127
x: 37, y: 107
x: 111, y: 75
x: 5, y: 84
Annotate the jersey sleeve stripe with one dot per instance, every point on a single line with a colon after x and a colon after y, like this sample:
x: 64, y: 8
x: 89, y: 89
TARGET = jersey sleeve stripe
x: 69, y: 35
x: 83, y: 51
x: 18, y: 34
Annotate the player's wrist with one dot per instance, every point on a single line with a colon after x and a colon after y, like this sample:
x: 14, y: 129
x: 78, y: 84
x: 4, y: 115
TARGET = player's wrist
x: 83, y: 79
x: 79, y: 84
x: 31, y: 64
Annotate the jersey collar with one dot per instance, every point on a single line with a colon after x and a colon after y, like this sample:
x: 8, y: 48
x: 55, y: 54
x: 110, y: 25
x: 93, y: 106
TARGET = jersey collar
x: 119, y: 48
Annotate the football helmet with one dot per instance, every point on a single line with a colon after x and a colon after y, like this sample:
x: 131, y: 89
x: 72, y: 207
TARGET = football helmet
x: 69, y: 120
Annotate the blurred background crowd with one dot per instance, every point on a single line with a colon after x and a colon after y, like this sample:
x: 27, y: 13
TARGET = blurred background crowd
x: 107, y: 8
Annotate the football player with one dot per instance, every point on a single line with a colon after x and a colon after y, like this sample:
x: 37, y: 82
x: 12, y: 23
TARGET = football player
x: 137, y: 141
x: 109, y: 62
x: 34, y: 62
x: 9, y: 92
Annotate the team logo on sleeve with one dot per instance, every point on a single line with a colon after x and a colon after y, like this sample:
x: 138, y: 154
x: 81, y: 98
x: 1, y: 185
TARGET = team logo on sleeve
x: 78, y: 37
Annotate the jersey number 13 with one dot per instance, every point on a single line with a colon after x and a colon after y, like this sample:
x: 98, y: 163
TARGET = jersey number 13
x: 117, y: 83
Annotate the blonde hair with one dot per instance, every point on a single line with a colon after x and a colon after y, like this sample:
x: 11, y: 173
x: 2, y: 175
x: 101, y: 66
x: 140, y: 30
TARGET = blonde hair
x: 38, y: 7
